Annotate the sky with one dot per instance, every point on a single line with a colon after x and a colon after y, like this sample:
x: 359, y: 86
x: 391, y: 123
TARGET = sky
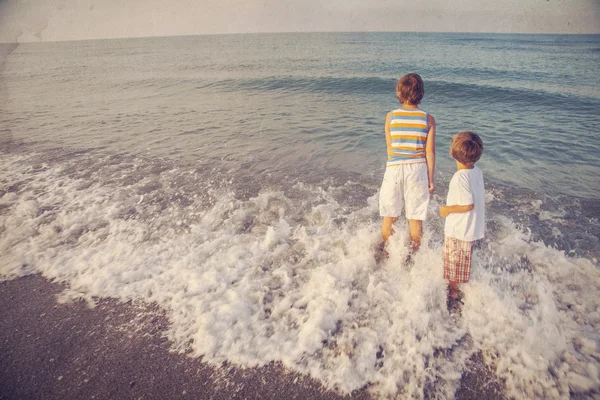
x: 56, y: 20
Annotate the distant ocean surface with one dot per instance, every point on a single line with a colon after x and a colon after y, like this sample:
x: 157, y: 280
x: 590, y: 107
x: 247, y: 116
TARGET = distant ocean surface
x: 233, y: 180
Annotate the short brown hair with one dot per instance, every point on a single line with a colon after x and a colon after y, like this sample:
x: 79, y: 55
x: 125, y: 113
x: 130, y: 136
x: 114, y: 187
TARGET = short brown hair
x: 410, y: 89
x: 466, y: 148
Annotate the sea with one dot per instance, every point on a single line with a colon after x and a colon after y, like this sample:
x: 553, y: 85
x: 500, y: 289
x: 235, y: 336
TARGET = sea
x: 233, y: 181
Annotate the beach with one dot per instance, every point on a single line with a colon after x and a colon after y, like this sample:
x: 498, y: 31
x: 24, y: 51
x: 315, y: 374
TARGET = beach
x: 215, y: 199
x: 68, y: 351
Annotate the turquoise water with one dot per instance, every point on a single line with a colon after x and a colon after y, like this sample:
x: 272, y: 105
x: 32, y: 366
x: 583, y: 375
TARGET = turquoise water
x: 309, y: 101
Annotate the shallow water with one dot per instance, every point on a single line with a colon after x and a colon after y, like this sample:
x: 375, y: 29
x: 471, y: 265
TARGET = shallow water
x: 233, y: 180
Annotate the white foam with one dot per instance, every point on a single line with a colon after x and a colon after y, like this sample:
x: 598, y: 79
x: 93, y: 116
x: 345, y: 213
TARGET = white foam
x: 275, y: 279
x: 546, y: 215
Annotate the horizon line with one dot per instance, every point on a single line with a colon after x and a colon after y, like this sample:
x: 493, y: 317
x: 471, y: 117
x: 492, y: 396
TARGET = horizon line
x: 298, y: 32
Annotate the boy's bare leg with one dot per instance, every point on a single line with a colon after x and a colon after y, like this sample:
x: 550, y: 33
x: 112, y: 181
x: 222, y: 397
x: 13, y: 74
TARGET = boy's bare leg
x: 387, y: 230
x: 416, y: 231
x: 453, y: 291
x: 454, y: 302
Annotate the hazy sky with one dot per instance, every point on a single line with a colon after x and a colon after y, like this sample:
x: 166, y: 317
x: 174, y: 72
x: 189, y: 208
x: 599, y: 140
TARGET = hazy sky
x: 27, y: 20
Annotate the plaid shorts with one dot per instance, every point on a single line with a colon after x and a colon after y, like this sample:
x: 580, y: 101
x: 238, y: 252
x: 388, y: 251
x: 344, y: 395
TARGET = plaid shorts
x: 457, y: 259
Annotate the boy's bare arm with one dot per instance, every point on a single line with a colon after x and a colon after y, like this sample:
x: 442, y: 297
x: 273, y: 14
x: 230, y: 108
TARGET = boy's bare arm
x: 430, y: 152
x: 447, y: 210
x: 388, y: 137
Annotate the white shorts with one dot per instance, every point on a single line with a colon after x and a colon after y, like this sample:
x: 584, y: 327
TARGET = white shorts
x: 405, y: 185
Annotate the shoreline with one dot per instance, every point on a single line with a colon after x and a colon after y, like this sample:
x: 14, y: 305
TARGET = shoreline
x: 117, y: 350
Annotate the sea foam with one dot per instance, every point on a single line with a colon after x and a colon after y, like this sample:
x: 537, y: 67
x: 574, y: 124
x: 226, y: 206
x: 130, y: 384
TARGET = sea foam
x: 292, y: 279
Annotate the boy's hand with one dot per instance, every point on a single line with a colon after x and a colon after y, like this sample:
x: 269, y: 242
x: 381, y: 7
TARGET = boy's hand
x: 431, y: 187
x: 444, y: 212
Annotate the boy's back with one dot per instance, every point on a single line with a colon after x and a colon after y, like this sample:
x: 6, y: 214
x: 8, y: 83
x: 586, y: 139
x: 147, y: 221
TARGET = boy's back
x: 466, y: 187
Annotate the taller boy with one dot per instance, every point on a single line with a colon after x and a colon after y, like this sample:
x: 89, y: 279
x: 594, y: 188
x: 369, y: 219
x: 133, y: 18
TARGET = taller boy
x: 408, y: 179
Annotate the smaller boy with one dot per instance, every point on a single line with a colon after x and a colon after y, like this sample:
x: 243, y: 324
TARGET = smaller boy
x: 464, y: 212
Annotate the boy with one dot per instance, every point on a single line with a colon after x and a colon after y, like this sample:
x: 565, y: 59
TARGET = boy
x: 464, y: 213
x: 408, y: 179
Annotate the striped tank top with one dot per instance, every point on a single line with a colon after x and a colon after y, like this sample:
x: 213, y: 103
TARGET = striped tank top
x: 408, y: 131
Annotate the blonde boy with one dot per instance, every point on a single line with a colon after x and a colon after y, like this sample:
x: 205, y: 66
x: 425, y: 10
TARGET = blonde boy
x: 464, y: 212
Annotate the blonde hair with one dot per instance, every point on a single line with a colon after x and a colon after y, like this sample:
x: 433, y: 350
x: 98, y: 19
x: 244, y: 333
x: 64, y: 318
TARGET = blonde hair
x: 466, y: 148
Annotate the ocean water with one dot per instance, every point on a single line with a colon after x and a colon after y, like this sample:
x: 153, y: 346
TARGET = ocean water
x: 233, y: 180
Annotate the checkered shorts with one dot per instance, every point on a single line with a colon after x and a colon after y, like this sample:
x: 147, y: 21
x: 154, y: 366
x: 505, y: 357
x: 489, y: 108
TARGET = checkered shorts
x: 457, y: 259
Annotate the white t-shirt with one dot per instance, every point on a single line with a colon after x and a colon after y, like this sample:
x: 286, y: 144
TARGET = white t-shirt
x: 466, y: 187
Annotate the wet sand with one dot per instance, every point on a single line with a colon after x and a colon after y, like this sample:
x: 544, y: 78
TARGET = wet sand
x: 117, y: 351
